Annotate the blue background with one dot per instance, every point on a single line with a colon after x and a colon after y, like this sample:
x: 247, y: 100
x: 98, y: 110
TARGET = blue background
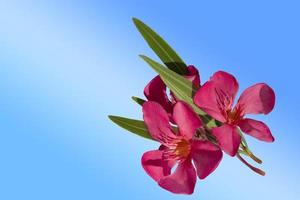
x: 66, y: 65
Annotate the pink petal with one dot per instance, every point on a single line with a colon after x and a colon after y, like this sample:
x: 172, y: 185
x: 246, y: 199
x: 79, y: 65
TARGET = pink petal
x: 256, y: 129
x: 228, y: 138
x: 157, y: 121
x: 259, y: 98
x: 193, y: 75
x: 226, y: 83
x: 206, y: 99
x: 206, y: 157
x: 186, y: 119
x: 182, y: 181
x: 154, y: 165
x: 216, y: 96
x: 155, y: 90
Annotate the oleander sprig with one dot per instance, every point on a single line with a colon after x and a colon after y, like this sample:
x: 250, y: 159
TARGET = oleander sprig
x: 194, y: 123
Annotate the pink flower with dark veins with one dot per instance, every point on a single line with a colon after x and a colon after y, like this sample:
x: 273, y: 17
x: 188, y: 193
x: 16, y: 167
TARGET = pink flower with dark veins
x: 155, y: 90
x: 216, y: 98
x: 178, y: 148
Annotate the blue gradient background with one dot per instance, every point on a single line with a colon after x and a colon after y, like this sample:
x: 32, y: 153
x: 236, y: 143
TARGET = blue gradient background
x: 66, y: 65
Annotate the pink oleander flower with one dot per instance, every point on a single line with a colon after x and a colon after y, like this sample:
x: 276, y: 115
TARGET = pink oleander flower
x: 216, y: 98
x: 155, y: 90
x: 178, y: 148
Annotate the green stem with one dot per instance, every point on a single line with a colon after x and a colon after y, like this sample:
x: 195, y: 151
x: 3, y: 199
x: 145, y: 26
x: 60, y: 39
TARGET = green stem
x: 246, y: 150
x: 259, y: 171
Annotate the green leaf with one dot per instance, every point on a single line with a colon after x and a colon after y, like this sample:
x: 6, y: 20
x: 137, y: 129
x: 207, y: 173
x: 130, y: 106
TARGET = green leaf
x: 138, y: 100
x: 180, y: 86
x: 161, y: 48
x: 137, y: 127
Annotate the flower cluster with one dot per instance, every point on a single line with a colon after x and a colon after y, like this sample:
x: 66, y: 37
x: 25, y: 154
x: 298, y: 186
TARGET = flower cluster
x: 193, y: 122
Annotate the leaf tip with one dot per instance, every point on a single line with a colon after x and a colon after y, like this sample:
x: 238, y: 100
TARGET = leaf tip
x: 111, y: 117
x: 134, y: 98
x: 138, y: 100
x: 143, y: 56
x: 135, y: 20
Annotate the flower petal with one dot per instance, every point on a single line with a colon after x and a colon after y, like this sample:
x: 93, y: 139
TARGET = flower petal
x: 154, y: 165
x: 216, y: 96
x: 257, y: 99
x: 256, y: 129
x: 226, y: 83
x: 206, y: 157
x: 157, y: 121
x: 206, y: 99
x: 193, y: 75
x: 228, y: 138
x: 182, y: 181
x: 186, y: 119
x: 155, y: 90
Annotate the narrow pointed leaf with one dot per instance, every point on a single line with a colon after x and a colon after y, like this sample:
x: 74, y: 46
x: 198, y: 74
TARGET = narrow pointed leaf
x: 180, y: 86
x: 137, y: 127
x: 138, y: 100
x: 162, y: 49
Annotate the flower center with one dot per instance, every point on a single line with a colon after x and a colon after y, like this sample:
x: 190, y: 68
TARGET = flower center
x: 178, y: 149
x: 234, y: 116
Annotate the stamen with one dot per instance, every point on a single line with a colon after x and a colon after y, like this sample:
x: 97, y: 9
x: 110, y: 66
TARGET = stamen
x: 166, y: 139
x: 178, y: 149
x: 235, y: 115
x: 224, y: 102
